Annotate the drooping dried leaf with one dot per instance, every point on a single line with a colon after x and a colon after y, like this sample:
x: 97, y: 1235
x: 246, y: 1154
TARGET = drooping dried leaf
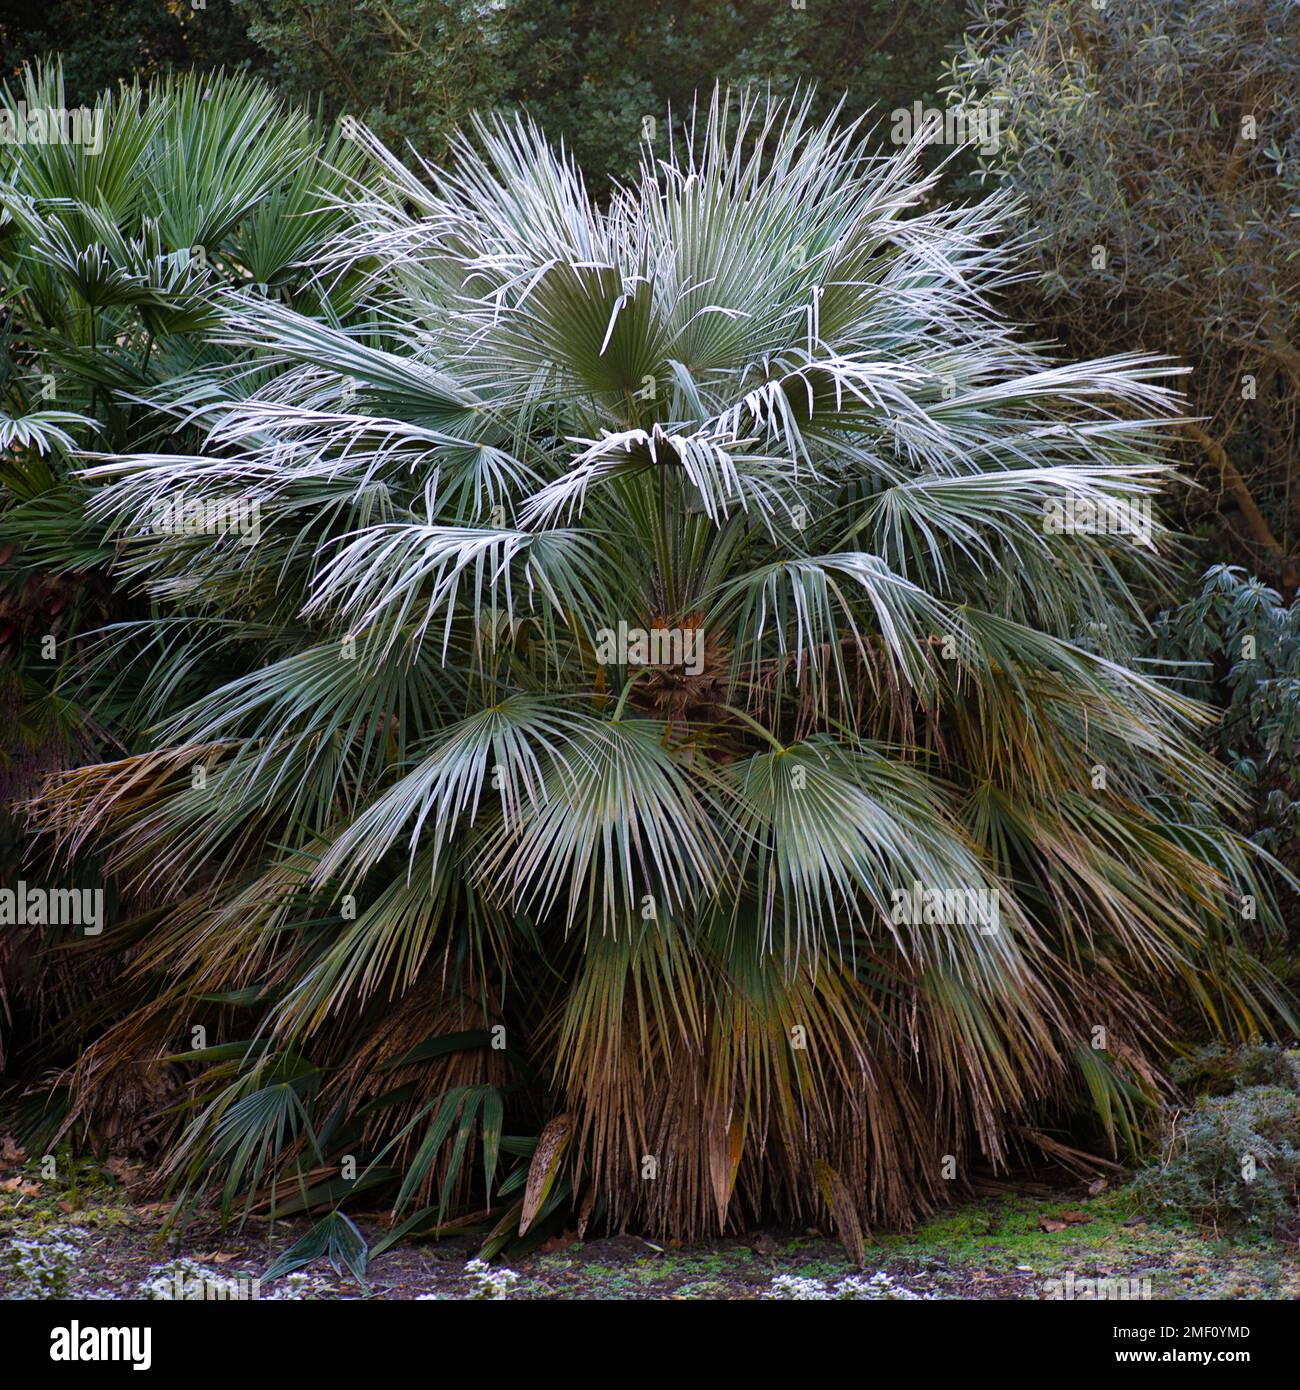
x: 726, y: 1144
x: 843, y: 1212
x: 551, y: 1144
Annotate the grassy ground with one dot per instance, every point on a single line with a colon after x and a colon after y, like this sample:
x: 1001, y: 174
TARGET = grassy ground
x: 1001, y: 1247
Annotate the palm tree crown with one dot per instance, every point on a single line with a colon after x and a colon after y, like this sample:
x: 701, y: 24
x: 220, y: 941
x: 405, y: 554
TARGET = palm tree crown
x: 651, y: 646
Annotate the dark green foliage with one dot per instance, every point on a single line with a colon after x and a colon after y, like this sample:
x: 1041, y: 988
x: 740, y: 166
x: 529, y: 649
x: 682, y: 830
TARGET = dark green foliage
x: 592, y: 70
x: 1248, y: 643
x: 144, y: 39
x: 1234, y: 1157
x: 1216, y: 1070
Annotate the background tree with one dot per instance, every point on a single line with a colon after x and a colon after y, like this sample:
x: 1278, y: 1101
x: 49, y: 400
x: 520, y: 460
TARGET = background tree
x: 592, y: 71
x: 131, y: 40
x: 1157, y: 150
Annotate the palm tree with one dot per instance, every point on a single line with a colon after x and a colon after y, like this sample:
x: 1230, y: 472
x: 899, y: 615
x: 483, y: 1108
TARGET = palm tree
x: 114, y: 240
x: 652, y: 612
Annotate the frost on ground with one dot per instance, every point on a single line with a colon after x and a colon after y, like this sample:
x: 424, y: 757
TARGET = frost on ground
x: 877, y: 1287
x: 186, y: 1280
x: 43, y: 1267
x: 1012, y: 1247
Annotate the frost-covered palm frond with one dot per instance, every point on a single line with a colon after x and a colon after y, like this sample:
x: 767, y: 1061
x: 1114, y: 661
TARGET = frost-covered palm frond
x: 43, y: 431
